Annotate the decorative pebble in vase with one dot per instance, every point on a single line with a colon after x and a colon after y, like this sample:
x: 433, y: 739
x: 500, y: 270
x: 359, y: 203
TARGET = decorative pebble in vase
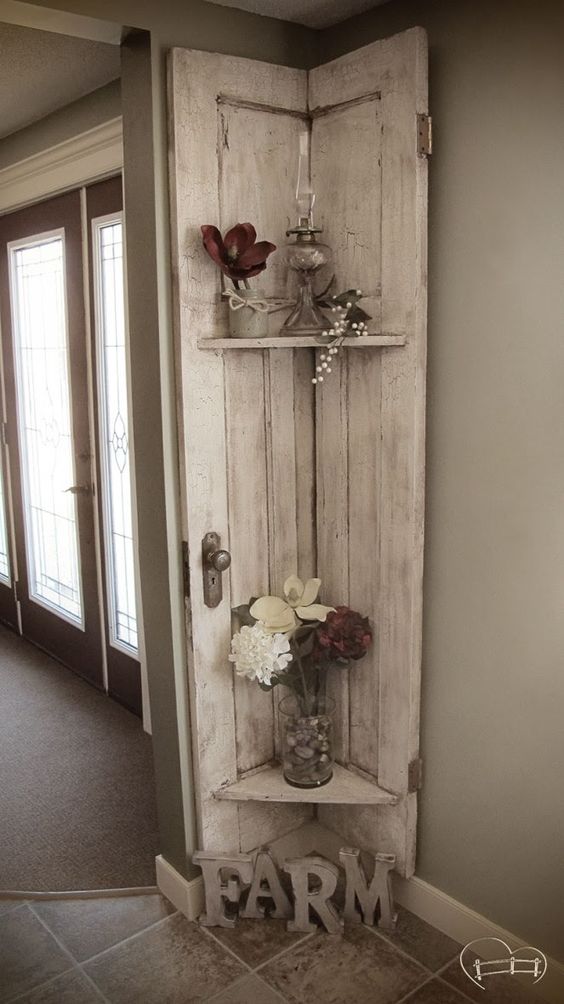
x: 307, y: 742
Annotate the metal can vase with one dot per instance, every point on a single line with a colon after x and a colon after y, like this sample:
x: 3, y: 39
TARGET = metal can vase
x: 307, y: 741
x: 248, y: 314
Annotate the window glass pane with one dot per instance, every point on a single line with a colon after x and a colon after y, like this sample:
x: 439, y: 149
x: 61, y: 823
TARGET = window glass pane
x: 4, y: 558
x: 44, y: 424
x: 115, y: 436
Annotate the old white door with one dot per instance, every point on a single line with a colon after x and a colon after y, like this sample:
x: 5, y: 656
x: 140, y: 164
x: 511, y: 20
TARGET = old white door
x: 323, y: 480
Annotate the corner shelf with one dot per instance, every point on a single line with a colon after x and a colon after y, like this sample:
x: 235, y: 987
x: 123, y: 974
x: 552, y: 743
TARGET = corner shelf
x: 300, y: 342
x: 268, y: 785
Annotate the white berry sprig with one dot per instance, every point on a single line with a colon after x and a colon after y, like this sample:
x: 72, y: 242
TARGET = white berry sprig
x: 342, y: 326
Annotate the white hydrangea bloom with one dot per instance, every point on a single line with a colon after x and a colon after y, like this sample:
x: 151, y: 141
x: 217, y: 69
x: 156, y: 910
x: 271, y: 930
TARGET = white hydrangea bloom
x: 258, y: 654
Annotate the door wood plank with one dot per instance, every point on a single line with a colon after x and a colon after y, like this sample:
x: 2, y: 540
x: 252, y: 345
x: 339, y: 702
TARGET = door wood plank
x: 391, y: 75
x: 248, y: 535
x: 228, y: 148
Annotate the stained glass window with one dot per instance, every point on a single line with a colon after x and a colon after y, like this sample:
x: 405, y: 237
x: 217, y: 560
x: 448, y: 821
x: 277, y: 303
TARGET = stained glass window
x: 115, y: 432
x: 37, y: 274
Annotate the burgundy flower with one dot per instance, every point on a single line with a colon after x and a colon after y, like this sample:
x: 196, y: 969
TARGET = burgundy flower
x: 344, y: 635
x: 237, y: 254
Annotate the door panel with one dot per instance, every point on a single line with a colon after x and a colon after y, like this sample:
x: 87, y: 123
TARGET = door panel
x: 8, y: 604
x: 325, y: 478
x: 246, y: 418
x: 45, y: 366
x: 109, y: 348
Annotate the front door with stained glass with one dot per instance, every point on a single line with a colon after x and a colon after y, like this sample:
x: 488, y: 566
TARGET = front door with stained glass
x: 48, y: 434
x: 113, y: 429
x: 69, y: 438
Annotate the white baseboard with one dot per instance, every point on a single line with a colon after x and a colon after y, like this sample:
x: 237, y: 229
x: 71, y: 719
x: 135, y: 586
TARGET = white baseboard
x: 432, y: 905
x: 465, y: 925
x: 187, y: 896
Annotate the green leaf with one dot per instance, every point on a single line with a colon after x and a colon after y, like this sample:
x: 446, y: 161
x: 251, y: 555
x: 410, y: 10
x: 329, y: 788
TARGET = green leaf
x: 356, y: 314
x: 243, y: 616
x: 306, y: 647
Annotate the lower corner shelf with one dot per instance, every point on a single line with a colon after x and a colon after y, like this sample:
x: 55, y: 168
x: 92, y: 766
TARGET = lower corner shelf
x: 344, y: 788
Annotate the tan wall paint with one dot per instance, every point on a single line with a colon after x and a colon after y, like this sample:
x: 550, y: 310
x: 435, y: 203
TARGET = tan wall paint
x: 492, y: 815
x: 492, y: 809
x: 200, y: 25
x: 92, y: 110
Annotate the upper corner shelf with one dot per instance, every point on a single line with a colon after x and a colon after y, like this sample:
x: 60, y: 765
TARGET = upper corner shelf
x: 300, y: 342
x: 344, y: 788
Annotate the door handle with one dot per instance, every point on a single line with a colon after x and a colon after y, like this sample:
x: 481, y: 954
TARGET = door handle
x: 215, y: 560
x: 79, y: 490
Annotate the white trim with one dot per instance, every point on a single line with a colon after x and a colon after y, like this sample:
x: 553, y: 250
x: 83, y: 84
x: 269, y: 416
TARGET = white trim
x: 90, y: 156
x: 187, y: 896
x: 465, y: 925
x: 432, y: 905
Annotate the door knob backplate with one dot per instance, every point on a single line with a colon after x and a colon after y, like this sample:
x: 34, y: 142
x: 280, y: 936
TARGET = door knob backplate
x: 215, y: 560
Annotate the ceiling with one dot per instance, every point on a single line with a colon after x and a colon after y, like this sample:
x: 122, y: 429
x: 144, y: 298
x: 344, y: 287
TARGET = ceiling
x: 41, y: 72
x: 313, y: 13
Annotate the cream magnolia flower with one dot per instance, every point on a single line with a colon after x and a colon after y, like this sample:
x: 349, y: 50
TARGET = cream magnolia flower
x: 257, y: 654
x: 277, y: 614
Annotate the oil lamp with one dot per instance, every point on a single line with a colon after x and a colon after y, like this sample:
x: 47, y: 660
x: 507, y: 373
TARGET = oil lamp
x: 305, y: 254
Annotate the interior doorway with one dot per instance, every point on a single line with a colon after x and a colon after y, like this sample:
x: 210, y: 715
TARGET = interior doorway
x: 68, y: 576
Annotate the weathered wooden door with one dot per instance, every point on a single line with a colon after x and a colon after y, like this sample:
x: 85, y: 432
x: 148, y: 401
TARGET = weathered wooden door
x: 323, y: 480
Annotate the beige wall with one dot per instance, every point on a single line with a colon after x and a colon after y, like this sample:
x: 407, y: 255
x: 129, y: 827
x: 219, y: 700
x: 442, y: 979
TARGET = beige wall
x: 492, y: 809
x: 200, y: 25
x: 92, y: 110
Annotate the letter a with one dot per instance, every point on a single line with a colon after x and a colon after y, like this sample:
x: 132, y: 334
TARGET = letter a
x: 266, y: 885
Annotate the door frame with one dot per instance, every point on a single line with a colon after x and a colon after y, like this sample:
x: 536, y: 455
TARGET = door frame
x: 73, y: 165
x: 75, y: 641
x: 154, y: 410
x: 118, y: 660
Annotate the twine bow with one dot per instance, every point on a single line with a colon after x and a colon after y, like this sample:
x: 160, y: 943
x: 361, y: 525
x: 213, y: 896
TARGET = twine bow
x: 236, y: 302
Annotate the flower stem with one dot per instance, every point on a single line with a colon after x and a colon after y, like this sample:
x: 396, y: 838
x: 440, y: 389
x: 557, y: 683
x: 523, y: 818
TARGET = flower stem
x: 304, y: 685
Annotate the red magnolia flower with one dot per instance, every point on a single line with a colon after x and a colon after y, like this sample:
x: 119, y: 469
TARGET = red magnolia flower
x: 344, y: 635
x: 237, y: 254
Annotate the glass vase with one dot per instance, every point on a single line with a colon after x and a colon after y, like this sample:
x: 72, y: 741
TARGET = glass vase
x: 307, y: 742
x: 248, y: 314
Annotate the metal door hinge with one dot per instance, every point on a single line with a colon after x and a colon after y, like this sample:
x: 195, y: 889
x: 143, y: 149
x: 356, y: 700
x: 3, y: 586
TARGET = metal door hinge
x: 186, y: 569
x: 424, y: 135
x: 415, y: 775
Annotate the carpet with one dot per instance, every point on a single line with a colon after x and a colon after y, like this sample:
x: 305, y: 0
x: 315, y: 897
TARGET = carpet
x: 77, y: 798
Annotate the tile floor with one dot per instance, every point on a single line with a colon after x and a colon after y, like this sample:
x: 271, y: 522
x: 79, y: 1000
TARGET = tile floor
x: 139, y: 950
